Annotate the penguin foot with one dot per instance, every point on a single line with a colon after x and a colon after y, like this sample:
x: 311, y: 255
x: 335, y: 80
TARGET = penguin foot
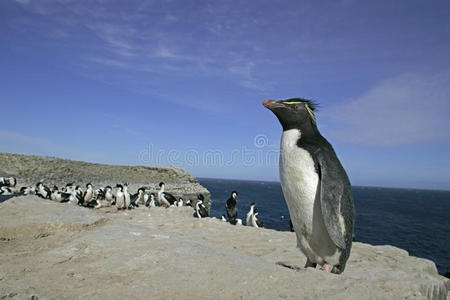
x: 326, y: 267
x: 290, y: 266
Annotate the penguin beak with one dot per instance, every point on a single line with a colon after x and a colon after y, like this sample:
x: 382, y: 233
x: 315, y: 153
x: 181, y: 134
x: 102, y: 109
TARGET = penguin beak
x: 271, y: 104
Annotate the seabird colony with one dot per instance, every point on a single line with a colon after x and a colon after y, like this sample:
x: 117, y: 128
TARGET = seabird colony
x: 122, y: 199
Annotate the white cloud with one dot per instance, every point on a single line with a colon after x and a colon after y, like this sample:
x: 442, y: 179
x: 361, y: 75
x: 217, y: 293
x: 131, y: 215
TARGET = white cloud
x: 403, y: 110
x: 23, y: 2
x: 135, y: 42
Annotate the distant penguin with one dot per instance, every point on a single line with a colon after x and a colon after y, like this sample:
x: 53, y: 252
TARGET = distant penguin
x: 76, y: 196
x: 109, y: 197
x: 120, y: 197
x: 27, y: 190
x: 54, y: 193
x: 11, y: 182
x: 42, y: 191
x: 231, y: 207
x: 127, y: 196
x: 94, y: 203
x: 8, y: 181
x: 99, y: 194
x: 200, y: 209
x: 63, y: 197
x: 255, y: 221
x: 151, y: 202
x: 79, y: 195
x: 5, y: 190
x: 88, y: 194
x: 315, y: 186
x: 137, y: 198
x: 188, y: 203
x: 146, y: 198
x: 164, y: 198
x: 180, y: 202
x: 250, y: 214
x: 69, y: 188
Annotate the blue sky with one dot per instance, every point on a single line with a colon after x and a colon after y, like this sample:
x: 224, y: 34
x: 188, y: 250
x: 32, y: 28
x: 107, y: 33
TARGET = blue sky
x: 181, y: 83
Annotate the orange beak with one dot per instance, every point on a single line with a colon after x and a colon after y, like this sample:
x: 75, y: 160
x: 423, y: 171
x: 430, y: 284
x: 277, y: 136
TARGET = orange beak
x: 271, y: 104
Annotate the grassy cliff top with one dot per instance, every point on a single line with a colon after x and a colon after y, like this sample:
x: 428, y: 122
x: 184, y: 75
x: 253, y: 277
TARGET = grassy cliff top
x: 37, y: 168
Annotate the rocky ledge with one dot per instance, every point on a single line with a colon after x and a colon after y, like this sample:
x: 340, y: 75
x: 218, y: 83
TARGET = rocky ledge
x: 55, y: 171
x: 53, y: 251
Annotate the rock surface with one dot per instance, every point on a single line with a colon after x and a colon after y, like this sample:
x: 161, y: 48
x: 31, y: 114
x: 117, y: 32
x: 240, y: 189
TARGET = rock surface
x: 55, y: 171
x: 53, y: 251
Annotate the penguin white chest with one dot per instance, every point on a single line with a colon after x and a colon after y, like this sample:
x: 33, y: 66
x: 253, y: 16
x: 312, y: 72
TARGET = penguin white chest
x: 300, y: 184
x: 297, y: 174
x: 299, y: 180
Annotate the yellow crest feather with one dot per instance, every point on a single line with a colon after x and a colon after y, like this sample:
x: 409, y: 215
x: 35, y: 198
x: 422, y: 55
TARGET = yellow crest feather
x: 311, y: 113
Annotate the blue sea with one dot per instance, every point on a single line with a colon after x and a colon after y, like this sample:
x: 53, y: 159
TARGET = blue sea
x: 415, y: 220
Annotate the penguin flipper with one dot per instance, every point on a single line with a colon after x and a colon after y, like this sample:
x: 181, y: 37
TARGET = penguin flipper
x: 335, y: 198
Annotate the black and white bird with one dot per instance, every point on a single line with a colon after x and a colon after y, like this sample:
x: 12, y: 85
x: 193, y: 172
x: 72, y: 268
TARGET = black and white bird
x: 99, y: 194
x: 200, y: 209
x: 250, y: 214
x: 5, y: 190
x: 69, y: 188
x: 8, y: 181
x: 232, y: 208
x: 188, y: 203
x: 254, y: 220
x: 180, y: 202
x: 315, y: 185
x: 127, y: 196
x: 53, y: 193
x: 138, y: 197
x: 120, y: 197
x: 64, y: 197
x: 109, y: 197
x: 79, y: 195
x: 151, y: 201
x: 42, y: 191
x: 164, y: 198
x: 146, y: 198
x: 75, y: 195
x: 88, y: 195
x: 94, y: 203
x: 28, y: 190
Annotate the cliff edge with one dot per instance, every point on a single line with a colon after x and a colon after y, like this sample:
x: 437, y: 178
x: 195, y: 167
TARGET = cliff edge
x: 53, y: 250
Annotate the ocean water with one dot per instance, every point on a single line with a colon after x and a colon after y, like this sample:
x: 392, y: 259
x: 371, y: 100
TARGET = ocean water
x: 415, y: 220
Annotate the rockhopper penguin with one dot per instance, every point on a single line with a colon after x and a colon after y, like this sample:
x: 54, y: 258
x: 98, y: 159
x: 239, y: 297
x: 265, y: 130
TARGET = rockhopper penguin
x: 315, y: 186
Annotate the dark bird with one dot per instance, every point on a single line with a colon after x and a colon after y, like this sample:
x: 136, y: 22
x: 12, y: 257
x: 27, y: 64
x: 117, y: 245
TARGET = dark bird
x: 200, y: 209
x: 231, y: 208
x: 315, y: 186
